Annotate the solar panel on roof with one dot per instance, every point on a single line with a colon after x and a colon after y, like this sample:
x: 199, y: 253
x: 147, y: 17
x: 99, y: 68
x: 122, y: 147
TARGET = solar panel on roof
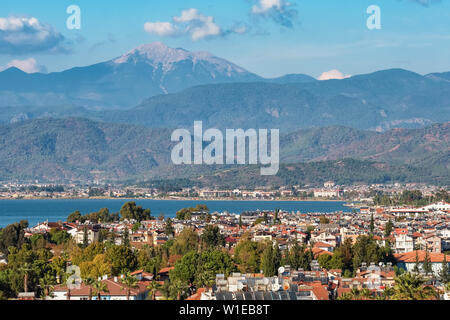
x: 248, y: 296
x: 220, y: 296
x: 228, y: 296
x: 239, y: 296
x: 284, y: 295
x: 292, y: 295
x: 275, y: 296
x: 259, y: 295
x: 268, y: 296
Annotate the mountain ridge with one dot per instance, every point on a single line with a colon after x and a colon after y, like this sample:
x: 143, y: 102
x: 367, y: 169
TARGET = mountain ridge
x: 76, y: 149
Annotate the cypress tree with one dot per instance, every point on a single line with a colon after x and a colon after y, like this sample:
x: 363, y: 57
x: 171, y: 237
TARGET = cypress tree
x: 126, y: 238
x: 443, y: 274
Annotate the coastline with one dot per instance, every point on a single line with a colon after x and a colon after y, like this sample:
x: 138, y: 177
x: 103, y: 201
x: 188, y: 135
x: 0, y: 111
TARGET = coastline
x: 176, y: 199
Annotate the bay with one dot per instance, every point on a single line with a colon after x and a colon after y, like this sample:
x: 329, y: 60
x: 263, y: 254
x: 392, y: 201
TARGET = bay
x: 36, y: 211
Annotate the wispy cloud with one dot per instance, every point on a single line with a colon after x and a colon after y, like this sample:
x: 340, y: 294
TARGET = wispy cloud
x: 192, y: 23
x: 280, y: 11
x: 426, y: 3
x: 110, y: 38
x: 22, y: 35
x: 27, y: 65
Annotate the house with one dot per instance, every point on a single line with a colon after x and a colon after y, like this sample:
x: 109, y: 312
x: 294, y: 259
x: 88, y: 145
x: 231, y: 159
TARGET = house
x: 324, y: 246
x: 407, y: 260
x: 403, y: 242
x: 78, y: 234
x: 116, y: 291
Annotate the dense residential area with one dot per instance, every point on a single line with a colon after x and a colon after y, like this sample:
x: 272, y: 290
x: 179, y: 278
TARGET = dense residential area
x: 376, y: 252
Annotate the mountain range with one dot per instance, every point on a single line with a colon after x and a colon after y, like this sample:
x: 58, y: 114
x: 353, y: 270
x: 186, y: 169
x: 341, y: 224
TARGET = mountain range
x: 124, y: 81
x: 76, y: 149
x: 161, y: 87
x: 112, y: 121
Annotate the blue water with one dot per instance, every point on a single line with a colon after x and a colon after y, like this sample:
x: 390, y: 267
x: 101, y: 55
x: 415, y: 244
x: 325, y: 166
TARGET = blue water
x: 36, y: 211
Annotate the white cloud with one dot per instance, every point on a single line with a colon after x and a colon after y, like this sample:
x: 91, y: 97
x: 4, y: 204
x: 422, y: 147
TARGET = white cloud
x: 191, y: 22
x: 28, y: 65
x: 333, y: 74
x: 280, y: 11
x: 162, y: 29
x: 265, y: 6
x: 20, y: 35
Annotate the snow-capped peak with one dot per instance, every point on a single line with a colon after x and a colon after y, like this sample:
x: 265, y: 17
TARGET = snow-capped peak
x: 158, y: 53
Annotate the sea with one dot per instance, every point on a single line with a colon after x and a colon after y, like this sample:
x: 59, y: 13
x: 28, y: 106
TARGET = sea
x: 36, y: 211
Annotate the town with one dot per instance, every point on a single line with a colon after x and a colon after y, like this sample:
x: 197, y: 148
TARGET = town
x: 328, y: 191
x: 394, y: 248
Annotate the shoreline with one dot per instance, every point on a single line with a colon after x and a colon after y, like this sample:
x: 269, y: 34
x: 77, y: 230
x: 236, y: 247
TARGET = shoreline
x: 177, y: 199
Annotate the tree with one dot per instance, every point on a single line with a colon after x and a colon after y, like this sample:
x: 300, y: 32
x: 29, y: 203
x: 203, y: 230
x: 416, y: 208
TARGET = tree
x: 130, y: 282
x: 126, y: 237
x: 186, y: 241
x: 248, y: 255
x: 13, y: 235
x: 410, y: 286
x: 186, y: 268
x: 324, y: 261
x: 178, y: 289
x: 444, y: 275
x: 99, y: 287
x: 85, y: 237
x: 417, y: 264
x: 372, y: 224
x: 169, y: 229
x: 210, y: 263
x: 26, y: 268
x: 294, y: 255
x: 275, y: 216
x: 153, y: 287
x: 212, y: 237
x: 74, y: 217
x: 271, y: 260
x: 366, y: 250
x: 427, y: 268
x: 324, y: 220
x: 122, y: 259
x: 388, y: 229
x: 89, y: 282
x: 131, y: 211
x: 59, y: 236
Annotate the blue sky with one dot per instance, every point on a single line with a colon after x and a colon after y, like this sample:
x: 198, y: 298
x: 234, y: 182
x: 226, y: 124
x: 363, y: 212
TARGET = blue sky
x: 268, y: 37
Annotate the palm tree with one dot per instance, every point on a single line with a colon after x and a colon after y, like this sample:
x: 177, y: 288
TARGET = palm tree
x: 130, y: 282
x: 26, y: 268
x: 179, y: 287
x: 410, y: 286
x: 89, y: 281
x: 99, y: 287
x: 153, y: 287
x: 46, y: 283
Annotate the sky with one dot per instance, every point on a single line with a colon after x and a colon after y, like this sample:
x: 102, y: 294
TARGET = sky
x: 323, y: 38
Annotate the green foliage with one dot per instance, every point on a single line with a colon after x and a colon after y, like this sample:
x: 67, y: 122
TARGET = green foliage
x: 13, y: 235
x: 186, y: 241
x: 122, y: 259
x: 212, y: 237
x: 131, y: 211
x: 103, y: 215
x: 271, y: 260
x: 59, y: 236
